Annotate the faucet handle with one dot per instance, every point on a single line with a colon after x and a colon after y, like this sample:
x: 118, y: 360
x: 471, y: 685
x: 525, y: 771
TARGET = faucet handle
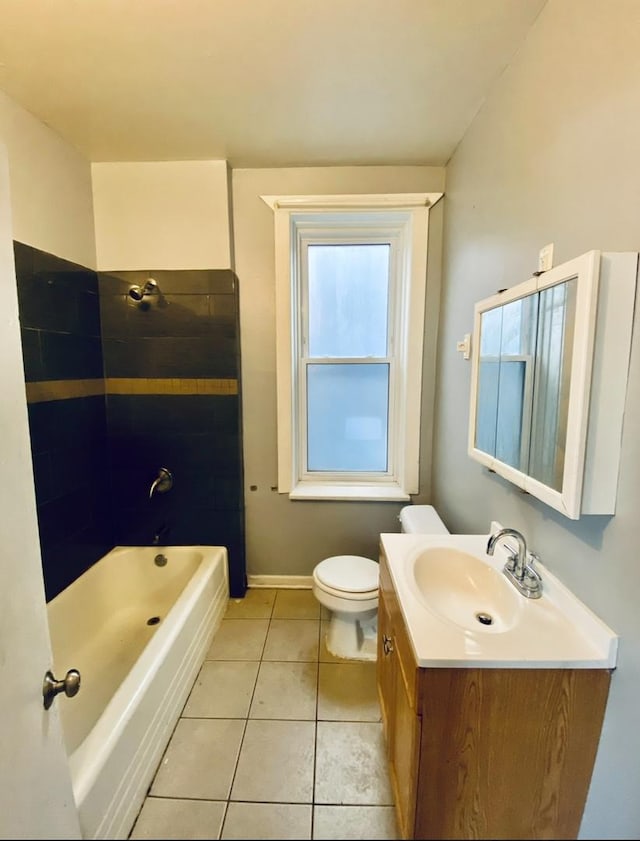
x: 532, y: 558
x: 512, y: 557
x: 162, y: 483
x: 531, y: 574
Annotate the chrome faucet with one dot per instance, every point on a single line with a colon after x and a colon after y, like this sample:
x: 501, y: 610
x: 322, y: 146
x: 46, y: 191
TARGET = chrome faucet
x: 162, y: 483
x: 519, y: 566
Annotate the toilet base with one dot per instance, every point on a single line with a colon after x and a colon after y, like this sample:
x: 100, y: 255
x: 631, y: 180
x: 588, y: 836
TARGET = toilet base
x: 353, y: 636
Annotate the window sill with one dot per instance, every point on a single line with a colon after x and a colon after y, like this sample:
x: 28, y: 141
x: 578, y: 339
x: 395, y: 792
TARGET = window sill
x: 349, y: 493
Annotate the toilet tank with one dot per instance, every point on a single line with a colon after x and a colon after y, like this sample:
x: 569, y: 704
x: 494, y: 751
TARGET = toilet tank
x: 421, y: 519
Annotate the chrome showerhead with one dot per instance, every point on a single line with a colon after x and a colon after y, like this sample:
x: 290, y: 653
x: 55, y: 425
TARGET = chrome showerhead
x: 138, y: 292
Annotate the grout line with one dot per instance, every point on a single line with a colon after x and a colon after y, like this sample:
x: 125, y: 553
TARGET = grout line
x: 247, y: 717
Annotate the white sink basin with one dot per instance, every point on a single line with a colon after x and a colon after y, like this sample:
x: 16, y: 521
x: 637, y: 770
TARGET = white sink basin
x: 460, y: 609
x: 461, y: 588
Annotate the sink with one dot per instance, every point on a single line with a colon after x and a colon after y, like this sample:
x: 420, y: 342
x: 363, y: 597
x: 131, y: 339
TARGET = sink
x: 461, y: 610
x: 463, y: 589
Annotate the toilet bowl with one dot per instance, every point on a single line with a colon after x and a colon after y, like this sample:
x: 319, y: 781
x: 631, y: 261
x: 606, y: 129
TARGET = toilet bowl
x: 347, y: 585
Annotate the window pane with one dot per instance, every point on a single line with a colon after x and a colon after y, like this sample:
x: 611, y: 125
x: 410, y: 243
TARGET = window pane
x: 348, y: 299
x: 347, y: 411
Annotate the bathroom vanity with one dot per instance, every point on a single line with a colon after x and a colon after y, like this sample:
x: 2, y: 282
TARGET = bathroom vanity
x: 491, y: 732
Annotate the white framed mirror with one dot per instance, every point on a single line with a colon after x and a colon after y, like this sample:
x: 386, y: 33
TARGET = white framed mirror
x: 533, y: 347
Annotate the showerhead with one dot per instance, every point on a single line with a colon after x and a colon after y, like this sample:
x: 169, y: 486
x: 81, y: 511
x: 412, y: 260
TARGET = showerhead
x: 138, y: 292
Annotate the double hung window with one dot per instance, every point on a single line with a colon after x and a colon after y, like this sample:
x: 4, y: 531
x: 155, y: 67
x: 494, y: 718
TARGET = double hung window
x: 350, y: 294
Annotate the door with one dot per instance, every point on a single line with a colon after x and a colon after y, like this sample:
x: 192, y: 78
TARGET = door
x: 36, y: 798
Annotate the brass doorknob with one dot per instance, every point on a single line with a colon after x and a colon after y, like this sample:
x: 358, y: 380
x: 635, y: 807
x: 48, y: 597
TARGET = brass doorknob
x: 52, y: 687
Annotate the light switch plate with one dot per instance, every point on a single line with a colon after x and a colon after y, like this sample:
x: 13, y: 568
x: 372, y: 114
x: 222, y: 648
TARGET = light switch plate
x: 464, y: 347
x: 545, y: 258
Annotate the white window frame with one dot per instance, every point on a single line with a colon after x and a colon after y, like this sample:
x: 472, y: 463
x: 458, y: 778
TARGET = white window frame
x: 402, y: 220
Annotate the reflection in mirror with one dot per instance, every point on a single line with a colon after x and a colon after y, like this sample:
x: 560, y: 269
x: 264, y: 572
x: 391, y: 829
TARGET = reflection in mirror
x: 556, y: 320
x: 505, y: 381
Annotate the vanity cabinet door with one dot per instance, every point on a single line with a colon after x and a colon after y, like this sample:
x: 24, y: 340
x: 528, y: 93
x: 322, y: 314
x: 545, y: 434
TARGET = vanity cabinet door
x: 386, y: 671
x: 405, y: 757
x: 397, y: 672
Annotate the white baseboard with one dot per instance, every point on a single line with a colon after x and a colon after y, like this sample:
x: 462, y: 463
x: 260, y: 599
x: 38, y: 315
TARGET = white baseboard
x: 293, y: 582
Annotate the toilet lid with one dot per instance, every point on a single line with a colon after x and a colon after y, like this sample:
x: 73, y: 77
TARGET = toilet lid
x: 348, y: 573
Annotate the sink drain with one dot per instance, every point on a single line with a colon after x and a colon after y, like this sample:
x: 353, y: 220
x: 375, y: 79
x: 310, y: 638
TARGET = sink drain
x: 154, y: 620
x: 484, y: 618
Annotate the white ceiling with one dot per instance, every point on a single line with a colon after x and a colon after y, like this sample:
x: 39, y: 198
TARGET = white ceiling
x: 259, y: 82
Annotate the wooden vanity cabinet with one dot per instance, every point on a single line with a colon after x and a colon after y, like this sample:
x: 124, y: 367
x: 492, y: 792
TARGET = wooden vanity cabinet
x: 484, y: 753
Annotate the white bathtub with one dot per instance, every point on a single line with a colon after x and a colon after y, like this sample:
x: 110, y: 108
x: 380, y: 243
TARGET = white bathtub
x: 135, y: 676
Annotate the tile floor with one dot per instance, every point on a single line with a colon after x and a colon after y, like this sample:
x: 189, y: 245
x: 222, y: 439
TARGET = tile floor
x: 278, y: 738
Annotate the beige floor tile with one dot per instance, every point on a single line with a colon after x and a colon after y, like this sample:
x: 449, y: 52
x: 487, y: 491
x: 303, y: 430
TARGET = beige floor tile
x: 286, y: 691
x: 343, y: 823
x: 276, y: 762
x: 348, y: 692
x: 200, y: 759
x: 296, y: 604
x: 351, y: 764
x: 267, y: 820
x: 292, y: 639
x: 176, y: 819
x: 256, y: 604
x: 223, y: 689
x: 239, y: 639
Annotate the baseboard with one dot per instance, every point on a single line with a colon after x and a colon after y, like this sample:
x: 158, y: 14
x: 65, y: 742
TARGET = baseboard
x: 293, y: 582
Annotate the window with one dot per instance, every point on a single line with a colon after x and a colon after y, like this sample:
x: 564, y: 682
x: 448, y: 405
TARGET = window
x: 350, y: 293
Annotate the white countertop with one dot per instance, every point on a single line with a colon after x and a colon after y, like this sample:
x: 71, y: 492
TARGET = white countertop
x: 554, y: 631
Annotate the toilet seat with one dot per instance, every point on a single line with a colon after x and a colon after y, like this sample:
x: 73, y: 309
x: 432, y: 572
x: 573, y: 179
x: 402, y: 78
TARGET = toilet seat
x: 348, y: 576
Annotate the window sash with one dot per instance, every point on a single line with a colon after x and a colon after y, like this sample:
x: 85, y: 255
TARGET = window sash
x: 362, y: 233
x: 306, y: 474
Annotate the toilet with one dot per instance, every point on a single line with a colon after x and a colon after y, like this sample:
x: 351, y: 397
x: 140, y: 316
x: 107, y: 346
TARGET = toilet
x: 421, y: 519
x: 347, y: 585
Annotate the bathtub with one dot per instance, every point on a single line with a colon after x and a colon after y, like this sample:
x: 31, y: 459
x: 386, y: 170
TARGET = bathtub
x: 138, y: 634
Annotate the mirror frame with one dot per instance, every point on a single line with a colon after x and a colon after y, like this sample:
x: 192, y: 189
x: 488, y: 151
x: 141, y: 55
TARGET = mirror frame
x: 586, y: 270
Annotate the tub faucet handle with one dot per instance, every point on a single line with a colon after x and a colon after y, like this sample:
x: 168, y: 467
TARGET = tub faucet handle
x: 162, y: 483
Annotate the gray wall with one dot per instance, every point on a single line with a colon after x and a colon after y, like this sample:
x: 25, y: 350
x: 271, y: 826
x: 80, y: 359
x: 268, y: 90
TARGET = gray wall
x: 285, y: 537
x: 554, y: 156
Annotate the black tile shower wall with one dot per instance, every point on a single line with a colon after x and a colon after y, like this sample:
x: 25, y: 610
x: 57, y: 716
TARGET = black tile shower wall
x: 168, y: 363
x: 59, y: 313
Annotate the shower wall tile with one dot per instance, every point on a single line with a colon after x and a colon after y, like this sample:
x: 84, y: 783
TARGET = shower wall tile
x: 96, y: 454
x: 182, y: 281
x: 169, y: 315
x: 188, y: 331
x: 59, y: 313
x: 56, y: 295
x: 31, y: 355
x: 73, y: 495
x: 69, y: 356
x: 171, y: 356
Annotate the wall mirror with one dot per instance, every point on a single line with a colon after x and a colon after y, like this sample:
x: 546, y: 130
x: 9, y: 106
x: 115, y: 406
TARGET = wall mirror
x: 531, y: 376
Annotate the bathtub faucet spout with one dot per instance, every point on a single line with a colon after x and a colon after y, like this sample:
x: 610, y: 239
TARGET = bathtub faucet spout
x: 162, y: 532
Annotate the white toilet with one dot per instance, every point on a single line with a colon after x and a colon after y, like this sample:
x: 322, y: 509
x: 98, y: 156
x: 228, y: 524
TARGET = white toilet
x: 347, y: 585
